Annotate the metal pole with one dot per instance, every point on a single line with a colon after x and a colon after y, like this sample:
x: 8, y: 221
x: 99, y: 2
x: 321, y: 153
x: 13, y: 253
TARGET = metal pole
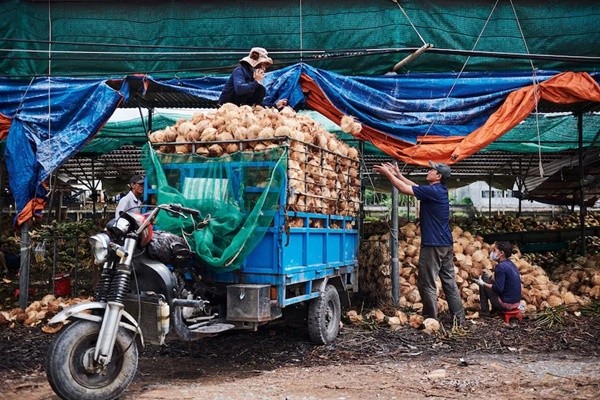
x: 412, y: 56
x: 361, y: 174
x: 490, y: 198
x: 150, y: 114
x: 54, y: 254
x: 395, y: 268
x: 94, y: 191
x: 520, y: 189
x: 24, y: 268
x: 582, y: 208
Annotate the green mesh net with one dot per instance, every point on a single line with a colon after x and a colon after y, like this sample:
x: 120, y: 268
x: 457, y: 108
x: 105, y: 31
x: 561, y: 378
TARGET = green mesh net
x: 237, y: 196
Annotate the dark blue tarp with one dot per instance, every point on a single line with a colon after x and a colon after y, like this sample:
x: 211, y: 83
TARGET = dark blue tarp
x: 401, y: 106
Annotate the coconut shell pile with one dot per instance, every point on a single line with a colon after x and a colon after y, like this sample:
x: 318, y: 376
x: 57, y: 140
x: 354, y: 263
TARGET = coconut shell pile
x: 509, y: 223
x: 38, y: 312
x: 582, y: 276
x: 323, y: 172
x: 471, y: 260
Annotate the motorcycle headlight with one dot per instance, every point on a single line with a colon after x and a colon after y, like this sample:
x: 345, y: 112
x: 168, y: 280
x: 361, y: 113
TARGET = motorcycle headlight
x: 100, y: 243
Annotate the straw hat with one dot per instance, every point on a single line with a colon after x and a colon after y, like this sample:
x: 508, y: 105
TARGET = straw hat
x: 257, y: 56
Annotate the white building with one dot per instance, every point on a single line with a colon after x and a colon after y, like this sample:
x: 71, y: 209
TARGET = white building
x: 497, y: 200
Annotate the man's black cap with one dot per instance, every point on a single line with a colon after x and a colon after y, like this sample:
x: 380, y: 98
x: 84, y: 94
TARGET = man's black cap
x: 137, y: 179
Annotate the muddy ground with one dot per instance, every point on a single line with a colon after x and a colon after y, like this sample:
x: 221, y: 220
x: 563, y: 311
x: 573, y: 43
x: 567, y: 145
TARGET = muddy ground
x: 490, y: 360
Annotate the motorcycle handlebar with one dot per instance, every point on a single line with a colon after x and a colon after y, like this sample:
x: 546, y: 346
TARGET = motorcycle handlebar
x: 178, y: 208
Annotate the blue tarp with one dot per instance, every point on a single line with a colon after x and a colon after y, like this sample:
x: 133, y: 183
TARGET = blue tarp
x: 402, y: 106
x: 52, y: 119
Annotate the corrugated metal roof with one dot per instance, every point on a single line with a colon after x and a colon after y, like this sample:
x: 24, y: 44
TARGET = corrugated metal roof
x: 559, y: 185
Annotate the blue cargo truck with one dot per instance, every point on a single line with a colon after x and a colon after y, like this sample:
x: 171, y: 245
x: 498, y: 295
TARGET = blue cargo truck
x: 304, y: 256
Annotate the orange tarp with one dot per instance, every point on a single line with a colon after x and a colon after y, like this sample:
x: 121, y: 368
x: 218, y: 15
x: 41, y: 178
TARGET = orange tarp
x: 564, y: 88
x: 4, y: 126
x: 31, y: 210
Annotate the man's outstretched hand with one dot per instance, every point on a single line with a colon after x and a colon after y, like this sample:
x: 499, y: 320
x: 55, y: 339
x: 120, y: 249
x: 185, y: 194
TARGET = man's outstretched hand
x: 281, y: 103
x: 388, y: 170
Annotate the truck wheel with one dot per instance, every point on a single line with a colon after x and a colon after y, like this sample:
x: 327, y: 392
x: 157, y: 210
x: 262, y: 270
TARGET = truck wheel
x: 73, y: 377
x: 324, y: 316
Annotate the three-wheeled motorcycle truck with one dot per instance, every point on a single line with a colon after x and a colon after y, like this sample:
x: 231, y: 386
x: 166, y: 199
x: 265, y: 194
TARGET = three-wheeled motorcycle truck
x: 229, y: 243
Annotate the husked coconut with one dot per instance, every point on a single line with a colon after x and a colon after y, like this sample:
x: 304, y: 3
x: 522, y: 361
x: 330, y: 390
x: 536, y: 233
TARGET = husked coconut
x: 224, y: 137
x: 266, y: 133
x: 283, y: 131
x: 346, y: 123
x: 355, y: 128
x: 288, y: 112
x: 228, y: 107
x: 182, y: 148
x: 354, y: 317
x: 209, y: 135
x: 198, y: 117
x: 231, y: 148
x: 253, y: 130
x: 185, y: 127
x: 201, y: 150
x: 215, y: 150
x: 431, y: 325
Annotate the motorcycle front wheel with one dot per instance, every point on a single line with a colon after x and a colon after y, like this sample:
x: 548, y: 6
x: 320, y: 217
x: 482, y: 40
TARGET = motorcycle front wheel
x: 72, y: 373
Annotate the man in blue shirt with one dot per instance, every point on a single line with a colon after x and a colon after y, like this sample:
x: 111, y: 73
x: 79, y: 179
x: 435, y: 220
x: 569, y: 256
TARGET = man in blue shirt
x: 504, y: 289
x: 436, y: 256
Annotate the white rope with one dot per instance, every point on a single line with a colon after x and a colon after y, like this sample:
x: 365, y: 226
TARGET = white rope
x: 410, y: 22
x: 536, y: 94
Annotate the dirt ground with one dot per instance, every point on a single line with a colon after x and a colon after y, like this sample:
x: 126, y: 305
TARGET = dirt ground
x: 490, y: 360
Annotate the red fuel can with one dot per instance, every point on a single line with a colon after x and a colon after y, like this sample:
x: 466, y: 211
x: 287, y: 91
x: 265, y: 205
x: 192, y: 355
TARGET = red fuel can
x: 62, y: 285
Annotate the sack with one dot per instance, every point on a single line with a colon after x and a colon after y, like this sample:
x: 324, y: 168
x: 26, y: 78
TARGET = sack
x: 169, y: 248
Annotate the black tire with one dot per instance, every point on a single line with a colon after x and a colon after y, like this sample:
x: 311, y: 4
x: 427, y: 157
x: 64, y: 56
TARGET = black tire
x: 324, y: 315
x: 67, y: 374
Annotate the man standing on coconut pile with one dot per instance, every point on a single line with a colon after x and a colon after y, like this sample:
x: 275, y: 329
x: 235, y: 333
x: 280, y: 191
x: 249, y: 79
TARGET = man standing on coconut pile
x: 504, y: 289
x: 244, y: 86
x: 436, y: 256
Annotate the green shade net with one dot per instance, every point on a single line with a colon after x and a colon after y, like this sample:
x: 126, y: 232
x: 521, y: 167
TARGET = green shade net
x: 553, y: 133
x: 193, y: 38
x: 237, y: 195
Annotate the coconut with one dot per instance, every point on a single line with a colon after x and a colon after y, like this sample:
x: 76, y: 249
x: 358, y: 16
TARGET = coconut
x: 346, y: 123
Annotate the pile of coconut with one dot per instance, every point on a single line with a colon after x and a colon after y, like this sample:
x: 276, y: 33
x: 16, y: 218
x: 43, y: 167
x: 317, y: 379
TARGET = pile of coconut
x: 39, y: 312
x: 581, y: 276
x: 323, y: 172
x: 471, y: 260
